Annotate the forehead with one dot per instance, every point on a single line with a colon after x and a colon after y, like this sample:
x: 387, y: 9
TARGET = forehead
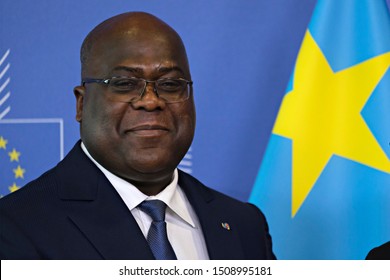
x: 145, y: 49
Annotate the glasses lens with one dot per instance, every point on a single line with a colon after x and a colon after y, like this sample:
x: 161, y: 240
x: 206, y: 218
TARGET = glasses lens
x: 130, y: 89
x: 172, y: 90
x: 126, y: 89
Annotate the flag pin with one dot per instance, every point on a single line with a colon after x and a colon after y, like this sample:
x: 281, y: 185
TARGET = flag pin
x: 225, y: 226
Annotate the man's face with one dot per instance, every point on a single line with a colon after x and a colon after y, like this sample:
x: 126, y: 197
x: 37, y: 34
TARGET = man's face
x: 145, y: 140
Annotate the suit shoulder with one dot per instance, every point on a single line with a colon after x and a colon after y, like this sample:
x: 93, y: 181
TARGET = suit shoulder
x: 208, y: 193
x: 380, y: 253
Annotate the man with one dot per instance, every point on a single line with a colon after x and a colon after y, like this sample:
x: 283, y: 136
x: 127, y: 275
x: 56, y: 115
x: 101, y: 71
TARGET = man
x: 381, y: 252
x: 137, y: 120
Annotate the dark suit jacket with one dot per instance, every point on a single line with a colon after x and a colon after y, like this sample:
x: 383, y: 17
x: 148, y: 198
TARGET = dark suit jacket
x: 73, y: 212
x: 380, y: 253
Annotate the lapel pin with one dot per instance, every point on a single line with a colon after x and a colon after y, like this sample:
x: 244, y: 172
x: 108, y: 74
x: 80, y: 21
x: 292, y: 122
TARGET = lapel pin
x: 225, y: 226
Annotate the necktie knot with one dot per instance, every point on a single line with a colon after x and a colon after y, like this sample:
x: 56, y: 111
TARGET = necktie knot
x: 155, y: 209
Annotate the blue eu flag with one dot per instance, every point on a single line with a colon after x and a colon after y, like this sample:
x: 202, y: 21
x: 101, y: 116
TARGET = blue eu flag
x: 28, y: 147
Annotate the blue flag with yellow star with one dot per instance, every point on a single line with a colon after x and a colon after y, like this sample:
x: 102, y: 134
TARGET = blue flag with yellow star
x: 324, y: 182
x: 28, y: 147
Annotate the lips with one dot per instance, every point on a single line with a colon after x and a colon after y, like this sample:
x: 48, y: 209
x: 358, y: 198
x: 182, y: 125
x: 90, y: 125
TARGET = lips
x: 148, y: 130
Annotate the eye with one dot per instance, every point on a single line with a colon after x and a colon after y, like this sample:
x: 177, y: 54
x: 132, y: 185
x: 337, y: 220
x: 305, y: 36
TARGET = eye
x: 125, y: 84
x: 170, y: 85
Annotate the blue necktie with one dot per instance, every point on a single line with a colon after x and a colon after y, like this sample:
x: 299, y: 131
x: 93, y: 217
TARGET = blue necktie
x: 157, y: 235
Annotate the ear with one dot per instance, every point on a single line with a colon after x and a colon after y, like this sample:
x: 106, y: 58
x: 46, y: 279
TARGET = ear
x: 79, y: 92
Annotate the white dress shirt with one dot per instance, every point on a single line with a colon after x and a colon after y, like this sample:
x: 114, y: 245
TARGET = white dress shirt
x: 183, y: 227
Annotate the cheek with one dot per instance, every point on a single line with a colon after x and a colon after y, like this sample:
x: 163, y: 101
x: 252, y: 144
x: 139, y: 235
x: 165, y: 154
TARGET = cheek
x: 185, y: 121
x: 101, y: 118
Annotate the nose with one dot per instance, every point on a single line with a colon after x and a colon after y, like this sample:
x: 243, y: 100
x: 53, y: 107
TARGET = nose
x: 149, y: 100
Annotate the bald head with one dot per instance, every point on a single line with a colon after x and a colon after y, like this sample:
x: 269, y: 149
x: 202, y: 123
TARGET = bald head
x: 132, y: 27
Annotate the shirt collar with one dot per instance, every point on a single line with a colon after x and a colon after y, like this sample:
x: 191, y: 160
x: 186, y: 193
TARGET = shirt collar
x: 173, y: 196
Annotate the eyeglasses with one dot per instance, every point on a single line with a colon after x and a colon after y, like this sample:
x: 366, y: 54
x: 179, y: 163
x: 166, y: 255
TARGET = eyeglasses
x: 126, y: 89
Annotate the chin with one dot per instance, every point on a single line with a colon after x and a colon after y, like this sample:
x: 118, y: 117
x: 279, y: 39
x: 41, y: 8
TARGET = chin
x: 154, y: 160
x: 153, y: 168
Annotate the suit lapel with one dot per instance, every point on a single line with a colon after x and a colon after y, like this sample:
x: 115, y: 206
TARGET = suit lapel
x: 222, y: 241
x: 97, y: 210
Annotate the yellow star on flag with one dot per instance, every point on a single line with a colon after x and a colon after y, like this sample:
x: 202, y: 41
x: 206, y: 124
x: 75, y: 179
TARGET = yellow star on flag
x: 13, y: 188
x: 3, y: 143
x: 322, y: 117
x: 14, y: 155
x: 19, y: 172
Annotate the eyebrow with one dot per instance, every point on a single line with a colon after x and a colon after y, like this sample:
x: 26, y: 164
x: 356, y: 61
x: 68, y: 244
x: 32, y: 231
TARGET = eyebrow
x: 138, y: 70
x: 128, y: 69
x: 170, y: 69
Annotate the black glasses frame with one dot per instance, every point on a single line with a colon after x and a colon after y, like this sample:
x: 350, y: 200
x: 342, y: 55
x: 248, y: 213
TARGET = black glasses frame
x: 141, y: 93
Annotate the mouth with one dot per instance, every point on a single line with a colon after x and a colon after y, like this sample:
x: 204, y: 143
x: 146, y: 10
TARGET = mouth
x: 148, y: 130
